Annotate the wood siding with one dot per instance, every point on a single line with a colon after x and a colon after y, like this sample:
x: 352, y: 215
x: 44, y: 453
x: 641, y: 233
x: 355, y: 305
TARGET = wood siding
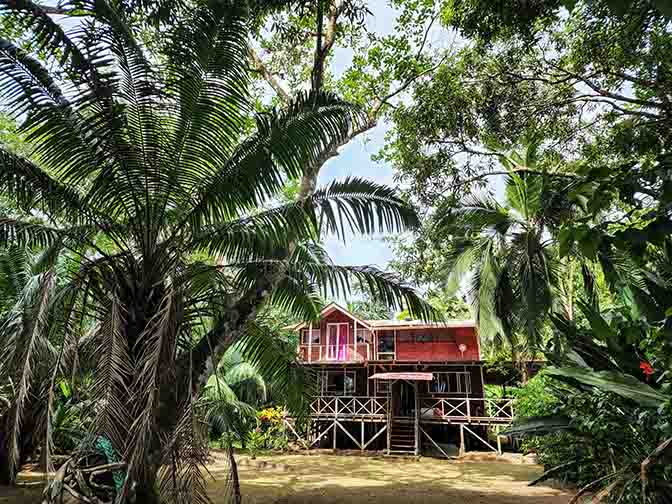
x: 437, y: 344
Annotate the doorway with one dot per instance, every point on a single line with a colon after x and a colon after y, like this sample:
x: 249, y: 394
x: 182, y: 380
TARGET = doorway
x: 403, y: 399
x: 337, y: 341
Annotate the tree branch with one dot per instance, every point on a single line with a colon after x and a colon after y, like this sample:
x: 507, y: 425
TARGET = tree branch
x: 268, y: 76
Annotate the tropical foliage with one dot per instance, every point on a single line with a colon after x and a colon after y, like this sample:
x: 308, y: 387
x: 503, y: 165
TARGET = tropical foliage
x: 152, y: 180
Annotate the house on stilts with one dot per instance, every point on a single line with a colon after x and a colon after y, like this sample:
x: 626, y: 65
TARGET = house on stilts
x: 402, y: 387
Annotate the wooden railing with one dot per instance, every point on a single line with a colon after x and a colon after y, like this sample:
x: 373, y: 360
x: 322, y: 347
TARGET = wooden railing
x: 349, y: 406
x: 469, y: 409
x: 353, y: 352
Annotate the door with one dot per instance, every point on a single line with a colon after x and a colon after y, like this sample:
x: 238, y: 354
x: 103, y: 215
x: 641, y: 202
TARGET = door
x: 337, y: 341
x: 403, y: 399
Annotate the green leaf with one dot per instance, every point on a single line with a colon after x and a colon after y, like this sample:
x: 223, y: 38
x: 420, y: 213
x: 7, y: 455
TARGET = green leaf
x: 599, y: 326
x: 589, y: 245
x: 664, y: 6
x: 618, y: 383
x: 619, y: 7
x: 566, y: 240
x: 538, y: 426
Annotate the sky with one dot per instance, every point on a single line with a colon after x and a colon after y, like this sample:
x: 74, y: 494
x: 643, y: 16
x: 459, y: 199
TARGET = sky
x: 355, y: 157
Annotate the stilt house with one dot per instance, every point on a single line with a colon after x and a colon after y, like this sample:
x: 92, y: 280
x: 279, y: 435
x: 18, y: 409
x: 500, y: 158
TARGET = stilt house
x: 398, y: 386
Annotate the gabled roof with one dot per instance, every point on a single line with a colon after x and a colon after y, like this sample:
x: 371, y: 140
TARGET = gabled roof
x: 331, y: 307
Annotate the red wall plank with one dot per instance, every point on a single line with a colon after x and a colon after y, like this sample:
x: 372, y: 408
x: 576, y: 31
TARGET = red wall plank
x: 444, y: 345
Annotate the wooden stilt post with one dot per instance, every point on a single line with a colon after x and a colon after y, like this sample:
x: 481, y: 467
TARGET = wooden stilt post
x: 389, y: 417
x: 462, y: 449
x: 417, y: 418
x: 362, y: 435
x: 334, y: 435
x: 499, y: 441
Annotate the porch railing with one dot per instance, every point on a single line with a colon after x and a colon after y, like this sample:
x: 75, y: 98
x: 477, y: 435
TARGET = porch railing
x: 354, y: 352
x: 474, y: 409
x: 349, y: 406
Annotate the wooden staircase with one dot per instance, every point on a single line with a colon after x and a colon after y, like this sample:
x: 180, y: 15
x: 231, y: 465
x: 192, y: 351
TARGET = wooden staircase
x: 402, y: 437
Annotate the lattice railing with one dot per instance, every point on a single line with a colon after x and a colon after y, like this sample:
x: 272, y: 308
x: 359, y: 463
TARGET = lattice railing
x: 349, y: 406
x: 468, y: 408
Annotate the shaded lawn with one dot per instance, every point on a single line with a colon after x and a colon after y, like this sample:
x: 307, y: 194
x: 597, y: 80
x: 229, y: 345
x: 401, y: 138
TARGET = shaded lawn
x: 326, y: 478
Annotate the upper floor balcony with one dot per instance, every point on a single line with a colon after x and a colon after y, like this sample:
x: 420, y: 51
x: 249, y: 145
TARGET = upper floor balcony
x: 347, y: 352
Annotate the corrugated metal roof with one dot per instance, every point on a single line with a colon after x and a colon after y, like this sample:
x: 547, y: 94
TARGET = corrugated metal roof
x: 403, y: 376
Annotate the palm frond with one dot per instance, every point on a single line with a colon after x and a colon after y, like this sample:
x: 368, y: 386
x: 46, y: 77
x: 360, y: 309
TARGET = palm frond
x: 285, y: 142
x: 30, y: 335
x: 474, y: 215
x: 113, y: 372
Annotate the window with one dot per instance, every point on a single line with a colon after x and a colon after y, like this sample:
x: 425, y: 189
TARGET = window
x: 386, y: 343
x: 341, y: 382
x: 382, y: 387
x: 452, y: 383
x: 314, y: 336
x: 363, y: 335
x: 423, y: 338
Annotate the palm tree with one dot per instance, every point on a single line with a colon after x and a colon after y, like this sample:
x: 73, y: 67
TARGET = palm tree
x: 508, y: 251
x: 28, y: 286
x: 143, y: 169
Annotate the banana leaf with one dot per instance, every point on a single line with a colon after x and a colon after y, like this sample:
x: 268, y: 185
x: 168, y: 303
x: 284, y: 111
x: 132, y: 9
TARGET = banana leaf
x: 539, y: 426
x: 622, y: 384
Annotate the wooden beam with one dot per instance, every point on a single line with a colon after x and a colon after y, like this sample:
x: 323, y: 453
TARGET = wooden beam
x: 361, y: 443
x: 462, y: 448
x: 480, y: 438
x: 335, y: 422
x: 417, y: 419
x: 435, y: 444
x: 310, y: 342
x: 376, y: 436
x: 348, y: 434
x: 291, y: 428
x: 321, y: 435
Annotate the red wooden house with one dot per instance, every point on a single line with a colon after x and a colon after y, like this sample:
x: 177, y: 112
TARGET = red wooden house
x: 419, y: 383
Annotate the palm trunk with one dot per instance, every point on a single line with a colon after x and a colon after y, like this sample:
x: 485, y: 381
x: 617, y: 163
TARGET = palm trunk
x: 235, y: 482
x: 6, y: 477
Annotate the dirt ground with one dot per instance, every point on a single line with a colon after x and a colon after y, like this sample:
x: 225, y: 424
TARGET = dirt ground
x: 322, y: 479
x: 330, y: 479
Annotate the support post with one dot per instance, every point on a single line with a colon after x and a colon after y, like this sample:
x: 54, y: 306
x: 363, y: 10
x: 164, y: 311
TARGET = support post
x: 334, y: 435
x: 389, y: 417
x: 417, y: 418
x: 499, y: 441
x: 462, y: 449
x: 361, y: 444
x: 310, y: 342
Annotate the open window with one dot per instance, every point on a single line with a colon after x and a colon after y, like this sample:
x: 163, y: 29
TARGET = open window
x: 363, y: 336
x: 339, y: 382
x: 451, y: 383
x: 310, y: 336
x: 386, y: 347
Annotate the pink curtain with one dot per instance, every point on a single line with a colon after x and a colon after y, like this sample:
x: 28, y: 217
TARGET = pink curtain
x: 343, y: 343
